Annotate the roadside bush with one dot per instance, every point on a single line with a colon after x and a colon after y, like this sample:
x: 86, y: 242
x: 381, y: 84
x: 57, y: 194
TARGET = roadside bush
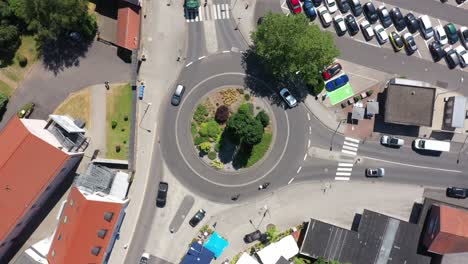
x: 22, y: 60
x: 213, y: 129
x: 247, y: 97
x: 114, y: 124
x: 117, y: 148
x: 193, y: 129
x: 263, y: 118
x: 3, y: 100
x: 212, y: 155
x: 357, y: 98
x: 246, y: 108
x: 203, y: 130
x: 201, y: 114
x: 370, y: 92
x: 240, y: 90
x: 198, y: 140
x: 217, y: 164
x: 217, y: 147
x: 126, y: 118
x: 222, y: 114
x: 316, y: 90
x: 205, y: 147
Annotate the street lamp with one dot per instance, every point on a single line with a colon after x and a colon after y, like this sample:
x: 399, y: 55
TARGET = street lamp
x: 333, y: 136
x: 144, y: 114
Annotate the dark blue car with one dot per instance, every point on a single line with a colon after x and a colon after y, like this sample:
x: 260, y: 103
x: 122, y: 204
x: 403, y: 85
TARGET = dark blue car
x: 337, y: 83
x: 309, y: 9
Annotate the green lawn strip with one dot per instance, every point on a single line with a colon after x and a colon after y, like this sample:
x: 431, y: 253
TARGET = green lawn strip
x: 5, y: 89
x: 260, y: 149
x: 340, y: 94
x: 119, y: 105
x: 28, y: 49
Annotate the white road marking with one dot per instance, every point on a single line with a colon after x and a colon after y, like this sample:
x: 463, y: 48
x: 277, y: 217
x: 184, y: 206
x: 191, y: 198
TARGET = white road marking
x: 344, y: 169
x: 352, y: 139
x: 419, y: 53
x: 343, y: 173
x: 291, y: 180
x: 345, y: 164
x: 350, y: 148
x: 299, y: 169
x: 201, y: 58
x: 226, y: 51
x: 364, y: 77
x: 219, y: 11
x: 342, y: 178
x: 215, y: 13
x: 310, y: 130
x: 348, y: 152
x: 368, y: 43
x: 308, y: 116
x: 351, y: 144
x: 305, y: 156
x: 199, y: 17
x: 414, y: 166
x: 227, y: 11
x: 461, y: 4
x: 308, y: 144
x: 188, y: 64
x: 438, y: 20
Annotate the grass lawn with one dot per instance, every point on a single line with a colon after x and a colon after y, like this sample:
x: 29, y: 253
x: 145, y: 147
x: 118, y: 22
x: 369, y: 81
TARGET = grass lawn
x: 260, y: 149
x: 14, y: 71
x: 341, y: 94
x: 119, y: 103
x: 77, y: 106
x: 5, y: 89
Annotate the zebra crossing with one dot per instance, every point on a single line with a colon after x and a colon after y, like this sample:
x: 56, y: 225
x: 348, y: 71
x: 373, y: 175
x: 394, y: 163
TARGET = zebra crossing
x: 345, y: 167
x: 208, y: 12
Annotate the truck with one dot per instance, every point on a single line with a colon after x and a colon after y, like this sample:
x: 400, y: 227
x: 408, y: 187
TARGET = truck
x: 192, y: 4
x: 429, y: 144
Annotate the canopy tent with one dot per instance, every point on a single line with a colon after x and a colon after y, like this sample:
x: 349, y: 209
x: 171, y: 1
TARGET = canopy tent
x: 286, y: 247
x: 216, y: 244
x: 197, y: 254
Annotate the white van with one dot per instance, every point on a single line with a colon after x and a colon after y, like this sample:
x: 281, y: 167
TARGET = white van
x: 425, y: 27
x: 429, y: 144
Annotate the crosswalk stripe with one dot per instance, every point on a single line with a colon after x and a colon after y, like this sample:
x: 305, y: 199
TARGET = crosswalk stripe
x: 227, y: 11
x: 344, y: 169
x: 351, y: 144
x: 345, y: 164
x: 352, y: 139
x: 342, y: 178
x: 343, y: 174
x: 349, y: 148
x: 348, y: 152
x: 219, y: 11
x: 214, y: 13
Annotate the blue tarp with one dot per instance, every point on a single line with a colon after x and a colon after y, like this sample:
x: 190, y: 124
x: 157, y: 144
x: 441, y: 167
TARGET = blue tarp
x: 197, y: 254
x: 216, y: 244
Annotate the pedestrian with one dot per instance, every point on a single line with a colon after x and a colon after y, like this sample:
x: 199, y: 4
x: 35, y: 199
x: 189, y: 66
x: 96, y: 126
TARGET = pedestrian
x: 106, y: 83
x: 235, y: 197
x: 178, y: 58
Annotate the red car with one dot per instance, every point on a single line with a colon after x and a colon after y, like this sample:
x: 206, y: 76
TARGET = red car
x: 295, y: 6
x: 331, y: 71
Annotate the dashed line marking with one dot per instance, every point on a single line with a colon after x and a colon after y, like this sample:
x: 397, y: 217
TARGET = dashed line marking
x: 201, y: 58
x: 299, y: 169
x: 310, y: 130
x: 188, y: 64
x: 291, y: 180
x: 305, y: 156
x: 308, y: 144
x: 342, y: 178
x: 352, y: 139
x: 308, y: 116
x: 226, y: 51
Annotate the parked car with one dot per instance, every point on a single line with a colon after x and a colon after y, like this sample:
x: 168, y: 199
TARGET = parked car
x: 410, y: 43
x: 460, y: 1
x: 457, y: 192
x: 462, y: 56
x: 451, y: 32
x: 254, y: 236
x: 452, y: 58
x: 295, y: 6
x: 177, y: 96
x: 463, y: 32
x: 377, y: 172
x: 317, y: 3
x: 437, y: 53
x: 356, y: 7
x: 26, y: 110
x: 144, y: 258
x: 367, y: 30
x: 331, y: 71
x: 397, y: 19
x: 337, y: 83
x: 411, y: 23
x: 309, y: 10
x: 439, y: 35
x: 288, y: 97
x: 425, y: 27
x: 396, y: 41
x: 352, y: 25
x: 340, y: 25
x: 162, y: 194
x: 331, y: 5
x: 343, y: 5
x: 370, y: 12
x: 381, y: 34
x: 325, y: 16
x: 384, y: 16
x: 197, y: 218
x: 391, y: 141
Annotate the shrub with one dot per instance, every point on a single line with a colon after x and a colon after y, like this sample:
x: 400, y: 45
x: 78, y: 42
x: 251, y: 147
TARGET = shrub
x: 213, y: 129
x: 203, y: 130
x: 222, y: 114
x: 263, y: 118
x: 22, y: 60
x: 212, y: 155
x: 114, y: 124
x: 370, y: 92
x: 217, y: 164
x: 357, y: 98
x: 117, y: 148
x: 126, y: 118
x: 201, y: 113
x: 240, y: 90
x: 3, y: 100
x: 245, y: 128
x: 229, y: 96
x: 198, y: 140
x: 217, y: 147
x: 193, y: 129
x: 318, y: 89
x: 246, y: 108
x: 205, y: 147
x: 247, y: 97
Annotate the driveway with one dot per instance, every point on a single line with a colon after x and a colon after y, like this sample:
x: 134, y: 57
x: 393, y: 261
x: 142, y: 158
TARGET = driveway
x: 48, y: 90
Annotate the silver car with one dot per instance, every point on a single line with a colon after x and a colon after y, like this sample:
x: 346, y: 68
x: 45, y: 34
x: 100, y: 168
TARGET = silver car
x: 392, y: 141
x: 377, y: 172
x: 288, y: 98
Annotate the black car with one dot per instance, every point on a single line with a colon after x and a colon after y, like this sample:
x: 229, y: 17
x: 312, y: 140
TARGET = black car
x: 397, y: 18
x: 177, y: 96
x: 457, y: 192
x: 411, y: 23
x: 317, y: 3
x: 410, y: 43
x: 460, y: 1
x: 343, y: 6
x: 436, y: 50
x: 196, y: 219
x: 370, y: 13
x: 356, y: 7
x: 162, y: 194
x: 464, y: 36
x: 249, y: 238
x: 452, y: 59
x: 397, y: 41
x: 384, y: 16
x: 351, y: 24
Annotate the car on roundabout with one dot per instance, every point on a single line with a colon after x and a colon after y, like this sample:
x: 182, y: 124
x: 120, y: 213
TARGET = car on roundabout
x: 288, y: 97
x: 391, y: 141
x: 375, y: 172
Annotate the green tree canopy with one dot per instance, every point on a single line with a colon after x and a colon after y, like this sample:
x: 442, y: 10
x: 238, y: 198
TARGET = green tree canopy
x: 245, y: 128
x: 288, y: 44
x: 9, y: 31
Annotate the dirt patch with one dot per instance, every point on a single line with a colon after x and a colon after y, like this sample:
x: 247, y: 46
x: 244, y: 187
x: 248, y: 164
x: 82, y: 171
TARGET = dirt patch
x: 77, y: 105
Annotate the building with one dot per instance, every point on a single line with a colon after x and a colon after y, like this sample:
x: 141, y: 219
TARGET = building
x: 378, y: 239
x: 446, y: 230
x: 36, y: 158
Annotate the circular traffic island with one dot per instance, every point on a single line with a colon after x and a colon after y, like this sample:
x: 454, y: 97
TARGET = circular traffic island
x: 231, y: 129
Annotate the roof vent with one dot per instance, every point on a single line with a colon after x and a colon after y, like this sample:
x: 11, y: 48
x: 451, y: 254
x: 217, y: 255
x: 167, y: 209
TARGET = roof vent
x: 95, y: 251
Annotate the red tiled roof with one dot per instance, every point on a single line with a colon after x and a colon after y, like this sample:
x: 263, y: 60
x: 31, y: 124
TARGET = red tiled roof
x: 128, y: 27
x: 452, y: 237
x: 27, y: 165
x: 79, y: 235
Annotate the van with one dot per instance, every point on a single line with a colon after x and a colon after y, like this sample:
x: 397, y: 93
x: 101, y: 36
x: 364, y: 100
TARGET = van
x: 425, y: 27
x: 429, y: 144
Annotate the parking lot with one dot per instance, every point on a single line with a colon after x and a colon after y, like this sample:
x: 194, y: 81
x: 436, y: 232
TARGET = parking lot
x: 454, y: 3
x: 422, y: 44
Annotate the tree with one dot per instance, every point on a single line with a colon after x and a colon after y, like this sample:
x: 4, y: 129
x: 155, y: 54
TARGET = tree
x: 205, y: 147
x: 263, y: 118
x: 222, y: 114
x: 245, y: 128
x: 9, y: 38
x: 288, y: 44
x: 3, y: 101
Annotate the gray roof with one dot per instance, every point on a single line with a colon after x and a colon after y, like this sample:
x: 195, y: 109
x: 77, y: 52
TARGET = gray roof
x: 373, y: 107
x: 409, y: 105
x: 380, y: 239
x: 96, y: 178
x: 358, y: 113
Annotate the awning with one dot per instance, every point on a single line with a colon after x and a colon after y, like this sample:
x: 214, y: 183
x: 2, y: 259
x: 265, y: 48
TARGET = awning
x: 358, y: 113
x: 373, y: 108
x: 286, y: 248
x: 216, y: 244
x: 128, y: 27
x: 197, y: 254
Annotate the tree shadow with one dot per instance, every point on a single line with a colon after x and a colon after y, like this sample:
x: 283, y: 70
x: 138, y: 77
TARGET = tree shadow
x: 228, y: 148
x: 242, y: 156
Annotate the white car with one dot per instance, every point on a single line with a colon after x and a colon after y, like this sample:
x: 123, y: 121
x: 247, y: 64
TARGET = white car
x: 367, y: 31
x: 439, y: 34
x: 391, y: 141
x: 331, y: 5
x: 325, y: 16
x: 462, y: 55
x: 288, y: 97
x: 144, y: 258
x: 381, y: 34
x: 340, y: 25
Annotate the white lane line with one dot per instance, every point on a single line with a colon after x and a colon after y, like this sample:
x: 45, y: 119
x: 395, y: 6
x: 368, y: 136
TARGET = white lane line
x: 416, y: 34
x: 299, y: 169
x: 308, y: 116
x: 291, y: 180
x: 214, y: 12
x: 350, y: 148
x: 342, y: 178
x: 419, y: 53
x: 352, y: 139
x: 344, y: 169
x: 308, y: 144
x: 438, y: 20
x: 345, y: 164
x: 351, y: 144
x: 310, y: 130
x: 461, y: 4
x: 188, y: 64
x: 368, y: 43
x: 201, y: 58
x: 348, y: 152
x: 224, y: 10
x: 364, y: 77
x: 414, y: 166
x: 305, y: 156
x: 226, y: 51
